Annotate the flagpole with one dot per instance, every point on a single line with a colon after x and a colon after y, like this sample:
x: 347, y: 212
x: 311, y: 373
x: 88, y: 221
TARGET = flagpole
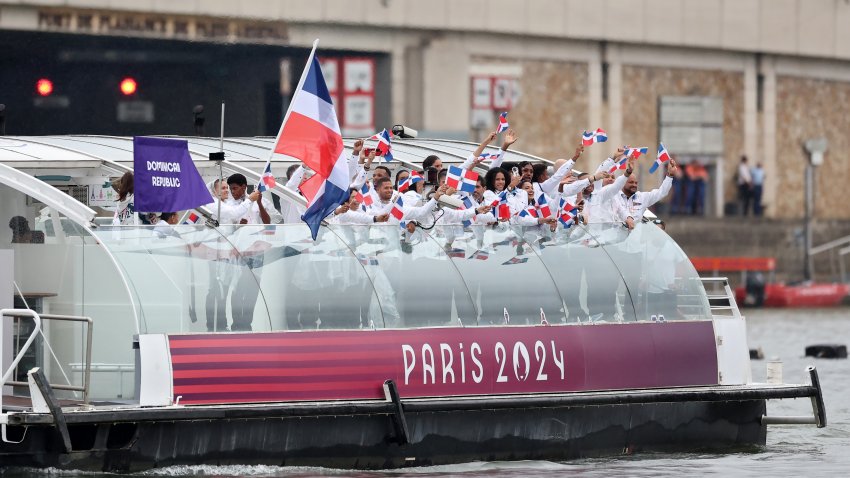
x: 297, y: 90
x: 220, y: 171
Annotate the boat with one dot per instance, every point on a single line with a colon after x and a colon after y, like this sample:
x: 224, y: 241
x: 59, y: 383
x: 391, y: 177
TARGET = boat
x: 370, y: 347
x: 804, y: 294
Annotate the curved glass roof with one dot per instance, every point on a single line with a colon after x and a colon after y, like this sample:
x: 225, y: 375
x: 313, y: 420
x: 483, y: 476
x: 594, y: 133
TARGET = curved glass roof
x: 45, y: 152
x: 380, y: 276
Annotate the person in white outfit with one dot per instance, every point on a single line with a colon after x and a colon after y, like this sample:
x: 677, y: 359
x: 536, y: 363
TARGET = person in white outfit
x: 633, y: 203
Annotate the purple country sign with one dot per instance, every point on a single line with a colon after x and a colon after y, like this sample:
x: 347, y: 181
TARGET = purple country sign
x: 165, y: 178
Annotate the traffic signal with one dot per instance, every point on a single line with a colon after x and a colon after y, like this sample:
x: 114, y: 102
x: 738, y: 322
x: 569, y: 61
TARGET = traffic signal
x: 128, y: 86
x: 44, y: 87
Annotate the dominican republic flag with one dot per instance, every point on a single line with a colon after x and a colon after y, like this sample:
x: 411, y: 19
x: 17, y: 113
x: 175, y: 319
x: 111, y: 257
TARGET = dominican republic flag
x: 364, y: 196
x: 405, y: 183
x: 489, y: 156
x: 384, y: 147
x: 568, y: 214
x: 461, y: 179
x: 662, y: 157
x: 500, y: 206
x: 590, y: 137
x: 504, y: 211
x: 635, y: 152
x: 267, y: 182
x: 503, y: 123
x: 193, y: 218
x: 543, y: 206
x: 621, y: 164
x: 398, y: 210
x: 502, y: 198
x: 530, y: 211
x: 467, y: 204
x: 310, y: 132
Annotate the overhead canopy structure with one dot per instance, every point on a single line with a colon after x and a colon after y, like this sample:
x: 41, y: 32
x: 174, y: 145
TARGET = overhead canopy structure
x: 196, y: 278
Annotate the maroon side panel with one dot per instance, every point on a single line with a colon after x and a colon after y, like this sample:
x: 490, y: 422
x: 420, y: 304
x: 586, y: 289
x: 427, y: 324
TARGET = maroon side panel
x: 349, y: 365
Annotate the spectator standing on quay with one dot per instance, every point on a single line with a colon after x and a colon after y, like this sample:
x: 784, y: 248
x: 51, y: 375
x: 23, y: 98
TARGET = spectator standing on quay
x: 757, y: 174
x: 698, y: 177
x: 745, y: 185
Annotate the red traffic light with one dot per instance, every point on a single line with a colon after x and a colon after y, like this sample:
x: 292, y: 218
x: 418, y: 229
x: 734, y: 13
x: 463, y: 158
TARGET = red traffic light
x: 44, y: 87
x: 128, y: 86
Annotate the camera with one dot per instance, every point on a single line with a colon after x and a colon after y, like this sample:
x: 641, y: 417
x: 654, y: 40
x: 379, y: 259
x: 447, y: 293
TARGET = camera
x: 403, y: 131
x: 431, y: 176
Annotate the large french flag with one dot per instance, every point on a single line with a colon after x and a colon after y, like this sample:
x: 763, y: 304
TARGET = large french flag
x: 310, y: 132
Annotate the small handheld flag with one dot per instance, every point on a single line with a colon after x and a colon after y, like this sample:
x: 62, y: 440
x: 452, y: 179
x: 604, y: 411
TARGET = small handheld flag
x: 467, y: 204
x: 590, y: 137
x: 405, y: 184
x: 267, y: 181
x: 397, y: 211
x: 504, y: 211
x: 364, y: 196
x: 503, y: 123
x: 543, y: 205
x: 461, y: 179
x: 662, y: 157
x: 192, y: 218
x: 384, y: 146
x: 635, y: 152
x: 489, y: 156
x: 531, y: 211
x: 568, y: 214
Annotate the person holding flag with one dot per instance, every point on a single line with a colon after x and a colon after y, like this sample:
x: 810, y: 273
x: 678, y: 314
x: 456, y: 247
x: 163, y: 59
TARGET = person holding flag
x: 478, y: 156
x: 633, y: 203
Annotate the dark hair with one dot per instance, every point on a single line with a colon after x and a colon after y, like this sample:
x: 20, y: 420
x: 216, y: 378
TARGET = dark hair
x: 490, y: 178
x: 380, y: 181
x: 238, y: 179
x: 429, y: 161
x: 523, y: 164
x: 389, y: 173
x: 125, y: 185
x: 443, y: 173
x: 19, y: 225
x: 291, y: 170
x: 539, y: 169
x: 165, y: 216
x: 398, y: 173
x: 582, y: 175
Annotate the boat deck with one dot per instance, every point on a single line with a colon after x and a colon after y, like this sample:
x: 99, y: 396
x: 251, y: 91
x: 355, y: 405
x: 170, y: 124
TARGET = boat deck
x: 19, y: 403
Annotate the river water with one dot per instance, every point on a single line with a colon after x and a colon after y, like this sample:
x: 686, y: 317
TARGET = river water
x: 799, y: 450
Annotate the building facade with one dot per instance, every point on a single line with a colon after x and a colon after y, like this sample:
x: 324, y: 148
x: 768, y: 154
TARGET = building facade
x: 713, y: 79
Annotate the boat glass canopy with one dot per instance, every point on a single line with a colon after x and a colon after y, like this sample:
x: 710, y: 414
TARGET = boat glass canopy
x: 197, y: 278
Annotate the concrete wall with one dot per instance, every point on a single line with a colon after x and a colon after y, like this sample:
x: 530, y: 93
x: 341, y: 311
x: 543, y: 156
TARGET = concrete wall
x: 790, y: 27
x: 810, y: 108
x: 764, y: 57
x: 778, y: 238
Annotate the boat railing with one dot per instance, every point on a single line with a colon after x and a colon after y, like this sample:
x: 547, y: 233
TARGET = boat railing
x: 8, y: 372
x: 86, y: 368
x: 721, y: 297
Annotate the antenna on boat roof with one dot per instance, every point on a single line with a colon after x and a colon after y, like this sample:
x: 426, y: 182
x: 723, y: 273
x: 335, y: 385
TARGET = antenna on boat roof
x: 219, y: 158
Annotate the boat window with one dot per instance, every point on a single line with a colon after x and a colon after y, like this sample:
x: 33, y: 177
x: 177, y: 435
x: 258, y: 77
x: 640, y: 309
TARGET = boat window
x: 60, y: 269
x: 662, y: 282
x: 590, y: 282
